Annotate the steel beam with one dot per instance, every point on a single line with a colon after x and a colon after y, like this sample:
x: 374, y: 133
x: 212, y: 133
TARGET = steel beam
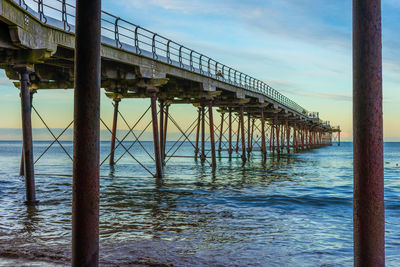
x: 287, y: 137
x: 162, y: 130
x: 263, y: 145
x: 114, y: 130
x: 203, y: 135
x: 243, y: 135
x: 196, y: 150
x: 230, y: 134
x: 85, y: 196
x: 369, y: 209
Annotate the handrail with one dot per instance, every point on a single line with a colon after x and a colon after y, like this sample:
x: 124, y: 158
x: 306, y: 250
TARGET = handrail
x: 163, y: 49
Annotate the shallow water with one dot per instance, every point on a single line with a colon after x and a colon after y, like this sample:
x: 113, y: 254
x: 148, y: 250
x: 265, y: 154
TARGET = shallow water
x: 293, y: 212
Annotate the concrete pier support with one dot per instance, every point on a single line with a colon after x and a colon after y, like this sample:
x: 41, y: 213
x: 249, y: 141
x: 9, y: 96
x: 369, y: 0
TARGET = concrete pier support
x: 369, y: 209
x: 156, y: 140
x: 212, y: 141
x: 85, y: 196
x: 27, y: 148
x: 114, y: 130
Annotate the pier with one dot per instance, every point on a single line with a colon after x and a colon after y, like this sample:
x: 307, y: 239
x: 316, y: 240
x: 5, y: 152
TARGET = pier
x: 54, y: 45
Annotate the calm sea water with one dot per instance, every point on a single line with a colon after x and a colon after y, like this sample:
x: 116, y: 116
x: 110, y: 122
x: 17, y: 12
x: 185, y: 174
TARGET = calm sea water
x: 293, y: 212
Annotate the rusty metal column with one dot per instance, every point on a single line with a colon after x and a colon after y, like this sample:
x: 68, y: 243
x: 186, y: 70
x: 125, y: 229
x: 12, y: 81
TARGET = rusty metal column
x: 287, y: 137
x: 85, y: 196
x: 271, y: 136
x: 339, y: 138
x: 238, y: 135
x: 252, y: 134
x: 114, y: 131
x: 196, y: 150
x: 294, y: 145
x: 203, y: 141
x: 263, y: 145
x: 248, y: 133
x: 22, y: 165
x: 243, y: 135
x: 221, y: 132
x: 212, y: 141
x: 161, y: 130
x: 165, y: 134
x: 369, y: 210
x: 277, y: 132
x: 230, y: 133
x: 27, y: 148
x: 156, y: 140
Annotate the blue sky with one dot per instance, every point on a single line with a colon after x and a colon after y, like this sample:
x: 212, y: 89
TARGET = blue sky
x: 300, y: 47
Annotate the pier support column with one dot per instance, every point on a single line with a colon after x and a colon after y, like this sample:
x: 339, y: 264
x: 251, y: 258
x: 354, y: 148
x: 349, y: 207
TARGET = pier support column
x: 230, y: 134
x: 287, y: 137
x: 156, y: 140
x: 203, y: 135
x: 277, y: 133
x: 85, y: 196
x: 22, y: 165
x: 165, y: 134
x: 243, y: 135
x: 196, y: 150
x: 162, y: 106
x: 338, y: 138
x: 248, y: 133
x: 221, y: 132
x: 263, y: 145
x: 212, y: 141
x: 369, y: 210
x: 238, y: 133
x: 252, y: 135
x: 271, y: 136
x: 27, y: 148
x: 294, y: 145
x: 114, y: 131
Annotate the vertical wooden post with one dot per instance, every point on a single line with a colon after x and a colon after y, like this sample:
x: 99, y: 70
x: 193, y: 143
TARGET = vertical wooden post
x: 114, y: 131
x: 369, y: 208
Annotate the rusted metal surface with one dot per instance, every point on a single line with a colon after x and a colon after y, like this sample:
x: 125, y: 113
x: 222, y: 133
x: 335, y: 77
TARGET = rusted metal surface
x: 212, y: 141
x: 369, y: 211
x: 26, y: 110
x: 114, y: 131
x: 230, y: 133
x: 156, y: 140
x: 85, y: 197
x: 263, y: 145
x: 242, y: 134
x: 203, y: 134
x: 196, y: 150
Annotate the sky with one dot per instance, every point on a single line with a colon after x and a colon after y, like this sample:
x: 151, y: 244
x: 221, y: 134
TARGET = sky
x: 302, y: 48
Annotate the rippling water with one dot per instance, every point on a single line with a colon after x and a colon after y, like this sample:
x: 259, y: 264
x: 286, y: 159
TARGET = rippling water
x: 293, y: 212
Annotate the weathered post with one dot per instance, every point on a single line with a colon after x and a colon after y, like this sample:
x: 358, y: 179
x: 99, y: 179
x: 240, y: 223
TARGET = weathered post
x: 252, y: 134
x: 114, y: 130
x: 162, y: 106
x: 277, y: 132
x: 294, y: 137
x: 238, y: 134
x: 287, y: 137
x: 248, y: 133
x: 203, y: 135
x: 27, y: 148
x: 196, y: 150
x: 22, y: 166
x: 230, y: 133
x: 165, y: 133
x: 263, y: 146
x: 221, y: 131
x: 85, y: 196
x: 369, y: 209
x: 243, y: 136
x: 156, y: 140
x: 212, y: 141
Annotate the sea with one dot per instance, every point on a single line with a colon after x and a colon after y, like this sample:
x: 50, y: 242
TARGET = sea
x: 295, y: 210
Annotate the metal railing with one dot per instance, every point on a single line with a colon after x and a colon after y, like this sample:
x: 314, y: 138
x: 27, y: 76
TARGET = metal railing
x: 133, y: 38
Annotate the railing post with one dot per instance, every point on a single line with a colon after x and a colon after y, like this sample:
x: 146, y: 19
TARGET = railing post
x: 114, y: 131
x: 86, y: 195
x: 369, y: 210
